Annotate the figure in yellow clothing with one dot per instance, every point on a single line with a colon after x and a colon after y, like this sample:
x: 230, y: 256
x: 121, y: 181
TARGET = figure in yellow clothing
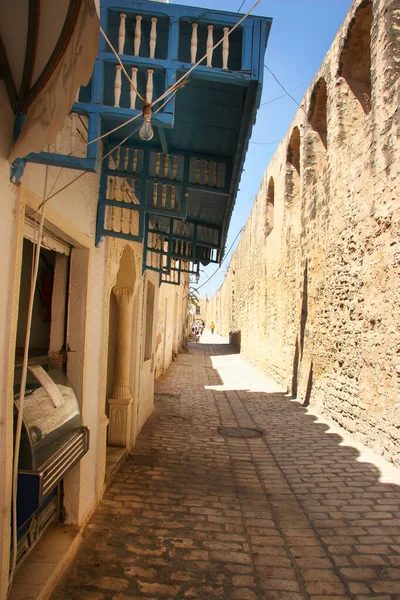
x: 212, y: 327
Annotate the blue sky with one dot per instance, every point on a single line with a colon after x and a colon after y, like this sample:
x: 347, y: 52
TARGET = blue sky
x: 301, y: 34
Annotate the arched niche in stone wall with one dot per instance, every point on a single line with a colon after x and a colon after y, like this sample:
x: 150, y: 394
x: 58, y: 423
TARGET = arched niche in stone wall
x: 270, y: 205
x: 317, y: 113
x: 315, y: 138
x: 355, y: 57
x: 292, y: 178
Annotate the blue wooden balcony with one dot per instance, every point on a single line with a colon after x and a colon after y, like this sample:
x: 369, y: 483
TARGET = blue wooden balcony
x: 189, y: 172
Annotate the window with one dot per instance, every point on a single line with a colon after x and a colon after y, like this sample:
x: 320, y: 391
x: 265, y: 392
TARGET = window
x: 148, y: 340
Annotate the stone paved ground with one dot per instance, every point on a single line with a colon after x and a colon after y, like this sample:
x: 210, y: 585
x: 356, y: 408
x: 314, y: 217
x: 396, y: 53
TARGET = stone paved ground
x: 197, y: 515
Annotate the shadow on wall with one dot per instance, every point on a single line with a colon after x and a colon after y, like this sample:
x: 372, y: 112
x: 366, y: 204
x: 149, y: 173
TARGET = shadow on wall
x: 304, y: 309
x: 235, y: 338
x: 299, y: 345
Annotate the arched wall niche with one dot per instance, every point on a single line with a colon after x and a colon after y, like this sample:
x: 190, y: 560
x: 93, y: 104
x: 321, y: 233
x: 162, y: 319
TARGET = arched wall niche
x: 126, y: 275
x: 317, y: 113
x: 293, y: 152
x: 355, y: 58
x: 292, y: 178
x: 269, y: 220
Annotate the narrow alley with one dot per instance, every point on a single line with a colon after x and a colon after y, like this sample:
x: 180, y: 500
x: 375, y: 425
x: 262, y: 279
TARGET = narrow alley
x: 235, y: 491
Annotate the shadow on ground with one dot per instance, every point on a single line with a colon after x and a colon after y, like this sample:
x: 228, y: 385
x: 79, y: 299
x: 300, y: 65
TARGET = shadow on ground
x: 195, y: 514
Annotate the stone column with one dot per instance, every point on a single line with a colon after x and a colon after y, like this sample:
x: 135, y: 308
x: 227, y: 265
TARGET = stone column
x: 120, y: 404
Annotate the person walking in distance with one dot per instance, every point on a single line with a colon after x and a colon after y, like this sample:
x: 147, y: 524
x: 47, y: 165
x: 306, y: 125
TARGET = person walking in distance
x: 212, y: 327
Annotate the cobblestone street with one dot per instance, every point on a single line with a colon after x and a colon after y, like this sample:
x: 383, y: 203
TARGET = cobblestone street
x: 291, y: 512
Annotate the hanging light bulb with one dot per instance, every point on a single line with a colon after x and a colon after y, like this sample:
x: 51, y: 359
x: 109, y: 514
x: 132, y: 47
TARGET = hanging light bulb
x: 146, y: 131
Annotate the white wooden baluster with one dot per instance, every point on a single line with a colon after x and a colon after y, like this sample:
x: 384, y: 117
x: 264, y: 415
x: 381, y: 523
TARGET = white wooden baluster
x: 58, y: 142
x: 121, y: 33
x: 126, y: 156
x: 210, y: 44
x: 113, y: 181
x: 193, y: 43
x: 173, y: 197
x: 215, y: 174
x: 175, y: 167
x: 157, y: 169
x: 149, y: 87
x: 166, y: 165
x: 225, y: 48
x: 117, y: 189
x: 138, y: 35
x: 133, y: 213
x: 117, y: 159
x: 164, y: 195
x: 125, y: 212
x: 117, y: 85
x: 198, y: 170
x: 153, y: 36
x: 135, y: 160
x: 73, y: 133
x: 155, y: 194
x: 133, y: 87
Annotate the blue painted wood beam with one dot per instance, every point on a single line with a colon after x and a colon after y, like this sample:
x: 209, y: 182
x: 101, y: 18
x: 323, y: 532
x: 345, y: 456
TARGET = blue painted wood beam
x: 241, y: 77
x: 185, y: 184
x: 163, y: 139
x: 161, y: 119
x: 62, y: 160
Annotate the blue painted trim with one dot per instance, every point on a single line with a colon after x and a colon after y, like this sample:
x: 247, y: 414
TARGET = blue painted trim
x: 101, y: 209
x: 123, y: 236
x: 118, y: 204
x: 163, y: 140
x: 173, y: 39
x: 61, y: 160
x: 201, y: 72
x: 17, y: 170
x: 123, y: 114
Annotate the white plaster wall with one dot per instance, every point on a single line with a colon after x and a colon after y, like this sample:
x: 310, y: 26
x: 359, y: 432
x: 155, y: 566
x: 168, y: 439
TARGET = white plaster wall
x: 171, y: 324
x: 80, y: 198
x: 147, y: 368
x: 93, y: 379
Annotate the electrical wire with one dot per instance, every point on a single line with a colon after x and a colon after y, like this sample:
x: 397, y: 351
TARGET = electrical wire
x: 342, y: 142
x: 241, y: 6
x: 185, y: 75
x: 174, y: 87
x: 24, y: 374
x: 282, y: 95
x: 265, y: 143
x: 167, y: 94
x: 102, y: 159
x: 284, y: 89
x: 115, y: 129
x: 220, y: 265
x: 120, y: 62
x: 172, y: 92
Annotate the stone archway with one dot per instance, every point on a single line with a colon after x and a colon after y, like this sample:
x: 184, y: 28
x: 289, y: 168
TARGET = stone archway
x: 120, y: 403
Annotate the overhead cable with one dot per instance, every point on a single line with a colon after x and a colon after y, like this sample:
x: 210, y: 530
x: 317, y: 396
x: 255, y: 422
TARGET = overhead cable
x: 185, y: 75
x: 222, y: 261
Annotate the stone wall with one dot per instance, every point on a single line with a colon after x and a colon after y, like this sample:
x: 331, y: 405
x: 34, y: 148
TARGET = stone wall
x: 313, y: 285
